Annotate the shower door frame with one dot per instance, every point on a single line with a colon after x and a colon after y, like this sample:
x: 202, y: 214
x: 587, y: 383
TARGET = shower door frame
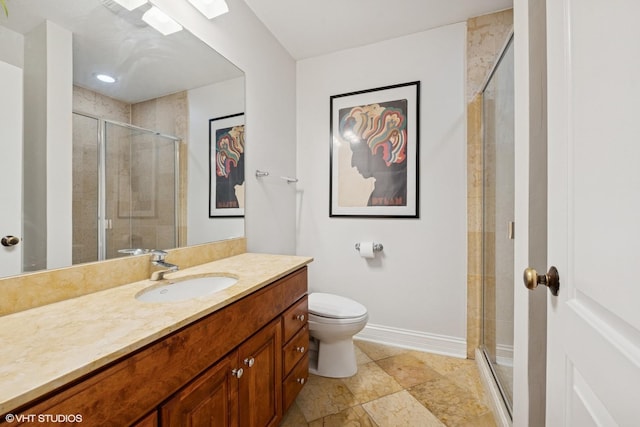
x: 102, y: 221
x: 508, y: 403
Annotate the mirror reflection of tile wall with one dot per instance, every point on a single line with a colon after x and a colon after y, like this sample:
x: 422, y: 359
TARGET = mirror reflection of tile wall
x: 135, y: 164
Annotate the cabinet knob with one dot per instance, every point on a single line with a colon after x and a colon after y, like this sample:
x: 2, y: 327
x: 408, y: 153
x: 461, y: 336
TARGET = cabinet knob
x: 249, y: 361
x: 237, y: 373
x: 300, y: 317
x: 301, y: 380
x: 300, y: 349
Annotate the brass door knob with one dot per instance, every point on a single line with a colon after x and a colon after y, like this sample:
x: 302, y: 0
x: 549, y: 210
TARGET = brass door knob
x: 9, y: 241
x: 551, y: 280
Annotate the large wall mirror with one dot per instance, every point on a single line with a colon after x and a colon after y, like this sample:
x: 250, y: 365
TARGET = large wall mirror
x: 106, y: 134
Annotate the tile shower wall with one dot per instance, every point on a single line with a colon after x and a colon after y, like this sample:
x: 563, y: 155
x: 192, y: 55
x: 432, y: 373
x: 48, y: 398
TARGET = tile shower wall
x: 168, y: 114
x: 486, y: 37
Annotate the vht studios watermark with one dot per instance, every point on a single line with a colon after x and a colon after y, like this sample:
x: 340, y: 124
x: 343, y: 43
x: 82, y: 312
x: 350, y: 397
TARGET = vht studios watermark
x: 43, y: 418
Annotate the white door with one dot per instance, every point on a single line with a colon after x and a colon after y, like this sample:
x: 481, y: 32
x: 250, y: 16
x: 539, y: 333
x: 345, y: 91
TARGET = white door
x: 593, y: 325
x: 10, y: 168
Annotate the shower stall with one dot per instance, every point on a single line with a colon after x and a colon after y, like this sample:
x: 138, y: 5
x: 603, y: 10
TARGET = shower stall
x: 498, y: 228
x: 125, y: 188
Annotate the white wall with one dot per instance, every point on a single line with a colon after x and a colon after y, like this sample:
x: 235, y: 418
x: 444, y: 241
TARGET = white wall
x: 48, y: 71
x: 59, y: 146
x: 11, y: 113
x: 415, y: 291
x: 270, y: 76
x: 204, y: 104
x: 11, y: 47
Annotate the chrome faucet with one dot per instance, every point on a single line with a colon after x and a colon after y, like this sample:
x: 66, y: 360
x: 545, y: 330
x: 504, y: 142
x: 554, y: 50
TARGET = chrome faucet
x: 158, y: 260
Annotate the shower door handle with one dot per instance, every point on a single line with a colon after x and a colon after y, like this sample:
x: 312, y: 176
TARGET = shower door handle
x: 551, y: 280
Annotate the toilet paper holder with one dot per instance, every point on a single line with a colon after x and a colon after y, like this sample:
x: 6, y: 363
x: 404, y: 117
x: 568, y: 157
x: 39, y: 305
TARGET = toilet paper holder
x: 377, y: 247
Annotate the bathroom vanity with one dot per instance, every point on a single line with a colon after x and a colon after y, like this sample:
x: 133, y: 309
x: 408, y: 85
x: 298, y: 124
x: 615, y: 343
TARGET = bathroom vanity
x: 240, y: 362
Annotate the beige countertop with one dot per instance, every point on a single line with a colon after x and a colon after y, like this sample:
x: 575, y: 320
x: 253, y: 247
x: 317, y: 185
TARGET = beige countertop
x: 46, y: 347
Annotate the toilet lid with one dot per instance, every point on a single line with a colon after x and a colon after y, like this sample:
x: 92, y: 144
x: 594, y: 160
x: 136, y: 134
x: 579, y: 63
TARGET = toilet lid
x: 334, y: 306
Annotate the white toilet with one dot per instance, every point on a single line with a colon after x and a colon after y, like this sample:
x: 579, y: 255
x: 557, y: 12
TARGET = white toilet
x: 333, y: 321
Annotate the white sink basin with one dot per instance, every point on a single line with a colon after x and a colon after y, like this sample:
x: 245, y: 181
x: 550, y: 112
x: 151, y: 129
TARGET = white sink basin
x: 186, y: 289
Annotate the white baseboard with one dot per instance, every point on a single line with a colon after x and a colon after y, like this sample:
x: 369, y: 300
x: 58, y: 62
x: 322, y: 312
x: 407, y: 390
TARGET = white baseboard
x: 431, y: 343
x: 500, y: 412
x: 504, y: 355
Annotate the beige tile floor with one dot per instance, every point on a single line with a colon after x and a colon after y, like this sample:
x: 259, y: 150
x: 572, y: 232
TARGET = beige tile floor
x: 395, y: 387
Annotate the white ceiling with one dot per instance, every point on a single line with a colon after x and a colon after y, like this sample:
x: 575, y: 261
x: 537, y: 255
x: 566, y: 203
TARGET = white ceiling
x: 311, y: 28
x: 107, y: 38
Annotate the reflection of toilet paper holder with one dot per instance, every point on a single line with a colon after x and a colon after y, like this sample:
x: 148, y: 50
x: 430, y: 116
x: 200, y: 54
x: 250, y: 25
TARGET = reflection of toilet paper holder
x: 377, y: 247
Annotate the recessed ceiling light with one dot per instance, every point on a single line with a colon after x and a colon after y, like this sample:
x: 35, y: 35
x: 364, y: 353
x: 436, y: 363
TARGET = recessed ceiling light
x: 211, y: 8
x: 130, y: 4
x: 105, y: 78
x: 161, y: 21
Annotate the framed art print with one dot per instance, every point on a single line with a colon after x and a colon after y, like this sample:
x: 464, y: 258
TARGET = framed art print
x: 374, y: 152
x: 226, y: 166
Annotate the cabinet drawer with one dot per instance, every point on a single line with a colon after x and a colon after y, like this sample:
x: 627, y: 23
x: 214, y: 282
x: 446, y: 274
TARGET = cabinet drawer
x: 294, y: 318
x: 295, y: 349
x: 294, y: 382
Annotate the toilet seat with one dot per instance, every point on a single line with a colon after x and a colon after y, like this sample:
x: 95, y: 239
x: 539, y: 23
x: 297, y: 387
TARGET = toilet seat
x: 314, y: 318
x: 335, y: 307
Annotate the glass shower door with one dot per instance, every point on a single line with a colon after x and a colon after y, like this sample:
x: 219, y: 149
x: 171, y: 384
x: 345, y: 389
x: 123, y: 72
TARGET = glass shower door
x: 498, y: 226
x: 140, y: 187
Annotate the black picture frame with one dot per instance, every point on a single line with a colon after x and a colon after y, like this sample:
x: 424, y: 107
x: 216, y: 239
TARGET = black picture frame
x: 374, y: 152
x: 226, y: 166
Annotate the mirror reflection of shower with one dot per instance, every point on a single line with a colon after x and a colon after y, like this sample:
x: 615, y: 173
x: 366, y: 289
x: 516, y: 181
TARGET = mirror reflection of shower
x: 498, y: 227
x: 125, y: 188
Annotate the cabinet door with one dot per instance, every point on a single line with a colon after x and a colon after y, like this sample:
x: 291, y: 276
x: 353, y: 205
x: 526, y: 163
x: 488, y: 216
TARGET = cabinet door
x: 260, y: 388
x: 210, y: 400
x: 150, y: 420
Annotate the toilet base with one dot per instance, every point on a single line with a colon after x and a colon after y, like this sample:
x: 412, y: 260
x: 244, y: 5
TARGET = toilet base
x: 334, y: 359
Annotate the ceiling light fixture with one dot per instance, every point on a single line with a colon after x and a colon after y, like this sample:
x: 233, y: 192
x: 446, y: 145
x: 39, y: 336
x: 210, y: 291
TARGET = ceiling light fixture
x: 211, y: 8
x: 105, y: 78
x: 130, y: 4
x: 161, y: 21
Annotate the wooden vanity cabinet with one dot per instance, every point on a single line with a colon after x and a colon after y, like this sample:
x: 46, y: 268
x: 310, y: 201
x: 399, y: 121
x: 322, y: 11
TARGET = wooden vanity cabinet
x: 295, y: 361
x: 226, y: 369
x: 150, y: 420
x: 259, y: 391
x: 210, y: 400
x: 242, y: 389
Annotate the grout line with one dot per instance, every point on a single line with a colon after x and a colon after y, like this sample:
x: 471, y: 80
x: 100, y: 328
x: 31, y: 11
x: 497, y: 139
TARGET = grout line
x: 384, y: 348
